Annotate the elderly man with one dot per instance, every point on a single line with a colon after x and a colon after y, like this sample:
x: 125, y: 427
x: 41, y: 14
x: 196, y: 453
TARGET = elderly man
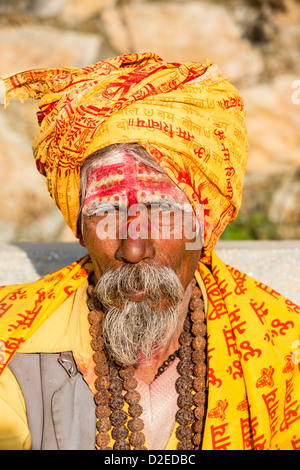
x: 149, y: 341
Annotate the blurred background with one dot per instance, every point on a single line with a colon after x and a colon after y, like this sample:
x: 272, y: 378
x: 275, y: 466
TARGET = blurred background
x: 255, y: 42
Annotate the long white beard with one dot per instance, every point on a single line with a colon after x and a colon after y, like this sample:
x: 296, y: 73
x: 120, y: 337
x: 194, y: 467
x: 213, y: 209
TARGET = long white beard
x: 138, y: 329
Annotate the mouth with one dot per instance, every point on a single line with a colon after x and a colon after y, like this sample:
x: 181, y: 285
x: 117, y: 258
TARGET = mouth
x: 138, y: 296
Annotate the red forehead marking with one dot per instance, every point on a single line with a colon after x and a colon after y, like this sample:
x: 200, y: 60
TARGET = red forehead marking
x: 136, y: 177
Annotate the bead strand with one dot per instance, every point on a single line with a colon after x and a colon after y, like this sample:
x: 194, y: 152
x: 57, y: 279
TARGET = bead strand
x: 184, y: 385
x: 102, y: 398
x: 199, y: 358
x: 113, y: 381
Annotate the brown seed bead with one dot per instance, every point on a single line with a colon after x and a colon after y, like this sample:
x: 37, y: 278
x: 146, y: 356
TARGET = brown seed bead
x: 102, y: 398
x: 185, y: 445
x: 90, y: 304
x: 196, y: 290
x: 198, y: 356
x: 94, y: 330
x: 199, y: 412
x: 97, y: 343
x: 103, y: 425
x: 101, y: 368
x: 137, y: 439
x: 95, y: 317
x: 184, y: 432
x: 199, y: 343
x: 185, y: 338
x: 121, y: 445
x: 197, y: 315
x: 196, y: 294
x: 198, y: 426
x: 90, y: 290
x: 102, y: 439
x: 196, y: 439
x: 120, y: 432
x: 102, y: 383
x: 140, y: 448
x: 103, y: 411
x: 127, y: 372
x: 99, y: 356
x: 135, y: 410
x: 199, y: 383
x: 116, y: 402
x: 94, y: 304
x: 200, y: 370
x: 196, y: 303
x: 184, y: 416
x: 187, y: 324
x: 132, y: 397
x: 184, y: 352
x: 113, y: 370
x: 199, y: 328
x: 185, y: 367
x: 185, y: 401
x: 118, y: 417
x: 184, y: 384
x: 199, y: 398
x: 115, y: 385
x: 130, y: 384
x: 136, y: 424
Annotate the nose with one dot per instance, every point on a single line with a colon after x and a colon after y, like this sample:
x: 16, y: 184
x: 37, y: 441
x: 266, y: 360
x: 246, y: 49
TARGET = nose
x: 135, y: 249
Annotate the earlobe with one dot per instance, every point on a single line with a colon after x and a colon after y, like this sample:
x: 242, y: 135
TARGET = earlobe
x: 81, y: 242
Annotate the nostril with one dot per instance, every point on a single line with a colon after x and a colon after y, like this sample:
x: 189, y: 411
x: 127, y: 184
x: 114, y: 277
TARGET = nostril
x: 134, y: 250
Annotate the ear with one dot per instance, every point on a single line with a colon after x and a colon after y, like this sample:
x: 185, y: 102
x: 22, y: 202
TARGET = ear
x: 81, y: 242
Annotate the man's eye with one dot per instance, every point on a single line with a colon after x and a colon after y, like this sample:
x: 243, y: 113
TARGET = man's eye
x: 165, y: 207
x: 161, y: 206
x: 108, y: 209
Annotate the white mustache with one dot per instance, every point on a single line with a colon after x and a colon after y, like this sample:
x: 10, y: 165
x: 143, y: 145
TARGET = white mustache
x: 159, y: 283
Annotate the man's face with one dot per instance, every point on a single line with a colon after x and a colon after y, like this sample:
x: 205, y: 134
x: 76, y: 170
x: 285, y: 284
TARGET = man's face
x: 131, y: 221
x: 118, y: 196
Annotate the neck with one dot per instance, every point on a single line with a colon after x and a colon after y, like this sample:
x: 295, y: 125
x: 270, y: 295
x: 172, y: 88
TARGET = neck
x: 147, y: 370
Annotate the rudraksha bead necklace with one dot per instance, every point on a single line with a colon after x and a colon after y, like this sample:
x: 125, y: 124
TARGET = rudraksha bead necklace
x: 113, y: 380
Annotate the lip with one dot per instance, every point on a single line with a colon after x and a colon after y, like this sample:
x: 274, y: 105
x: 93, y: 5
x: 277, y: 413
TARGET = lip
x: 137, y: 296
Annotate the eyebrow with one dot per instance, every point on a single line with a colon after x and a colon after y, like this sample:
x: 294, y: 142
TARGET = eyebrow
x: 106, y: 206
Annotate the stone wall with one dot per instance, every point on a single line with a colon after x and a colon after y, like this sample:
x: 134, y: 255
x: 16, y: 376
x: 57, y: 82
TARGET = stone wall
x: 255, y: 43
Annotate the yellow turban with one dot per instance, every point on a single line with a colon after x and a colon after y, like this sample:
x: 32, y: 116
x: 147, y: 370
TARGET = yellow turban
x: 187, y: 116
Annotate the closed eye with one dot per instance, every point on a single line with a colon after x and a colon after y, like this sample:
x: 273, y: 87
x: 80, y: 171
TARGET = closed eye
x: 100, y: 210
x: 106, y: 208
x: 163, y: 206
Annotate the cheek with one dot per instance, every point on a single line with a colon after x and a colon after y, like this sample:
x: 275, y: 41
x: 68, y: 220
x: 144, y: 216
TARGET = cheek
x: 174, y: 254
x: 101, y: 251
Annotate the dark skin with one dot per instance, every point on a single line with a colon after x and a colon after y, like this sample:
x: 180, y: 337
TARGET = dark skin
x: 114, y: 253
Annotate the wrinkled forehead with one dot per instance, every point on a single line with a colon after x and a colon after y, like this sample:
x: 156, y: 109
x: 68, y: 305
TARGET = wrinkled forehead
x: 123, y: 177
